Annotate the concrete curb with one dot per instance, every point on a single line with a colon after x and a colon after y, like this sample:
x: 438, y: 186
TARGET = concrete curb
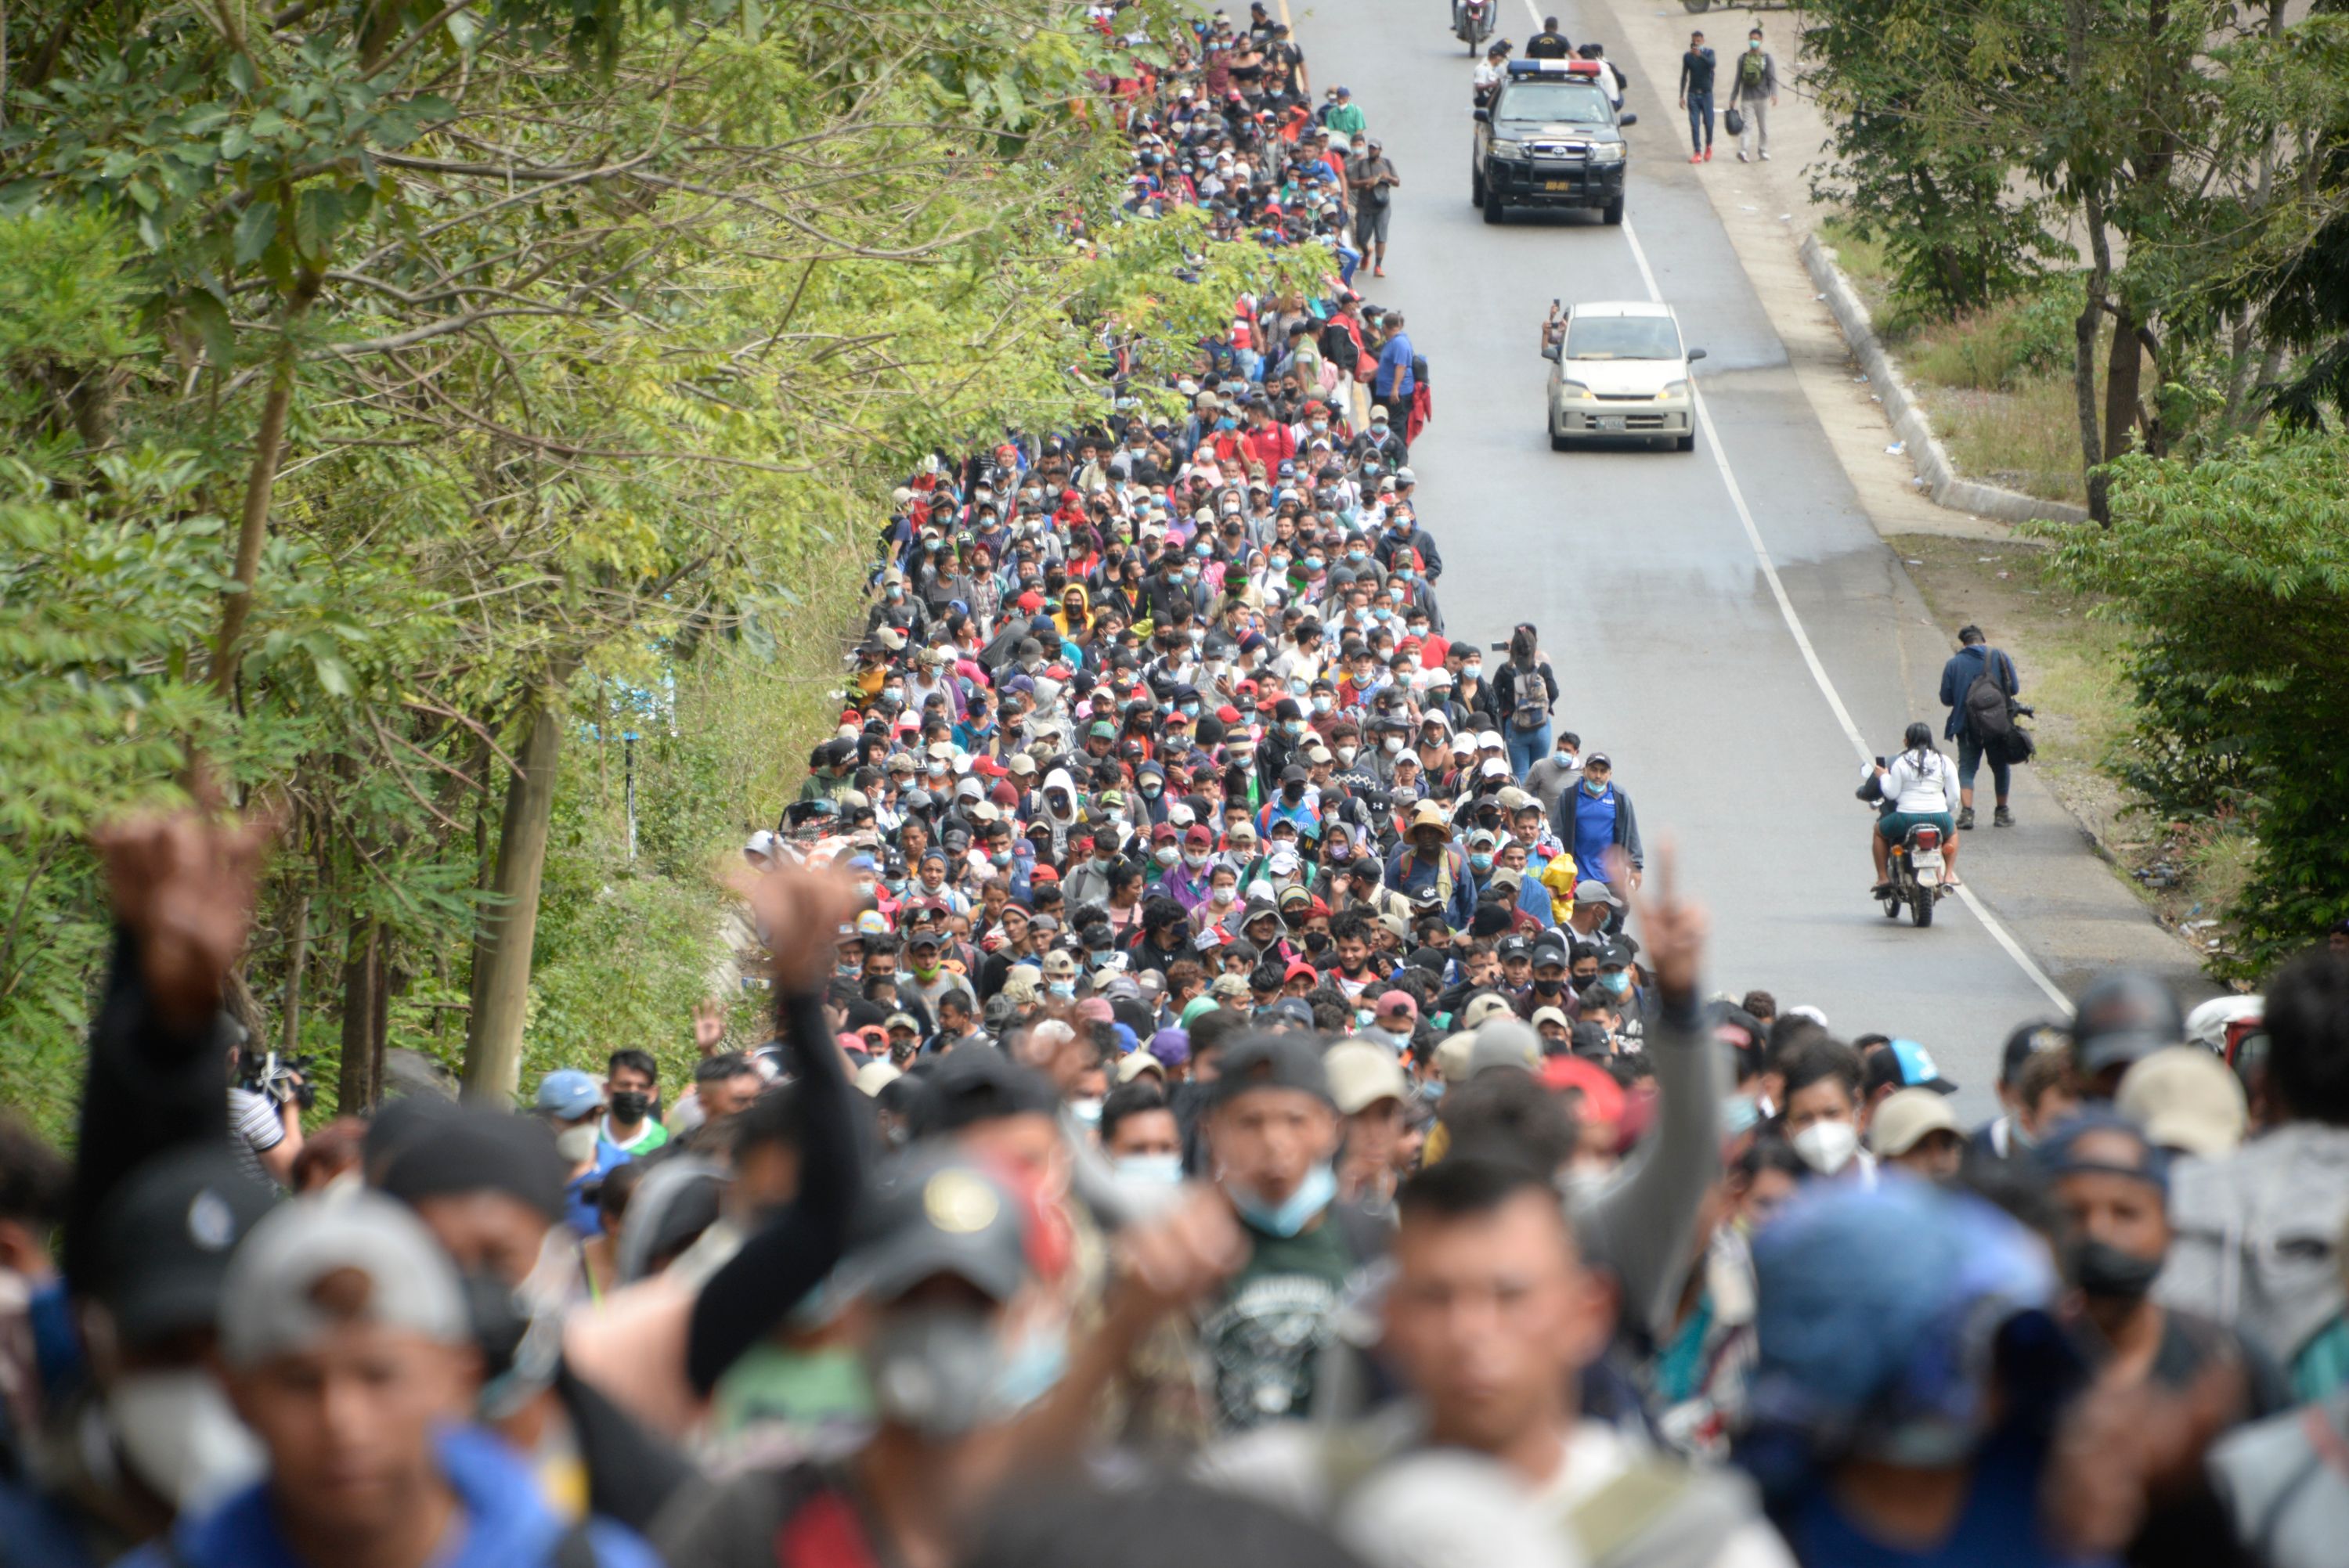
x: 1907, y: 414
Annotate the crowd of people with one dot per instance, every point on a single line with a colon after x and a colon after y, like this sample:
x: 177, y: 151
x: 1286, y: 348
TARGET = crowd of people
x: 1235, y: 1087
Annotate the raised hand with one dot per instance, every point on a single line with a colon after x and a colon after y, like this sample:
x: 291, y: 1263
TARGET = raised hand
x: 801, y: 912
x: 183, y: 885
x: 708, y: 1025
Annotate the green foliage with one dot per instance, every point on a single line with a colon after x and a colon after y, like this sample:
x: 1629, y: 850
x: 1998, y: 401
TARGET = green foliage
x: 2233, y: 575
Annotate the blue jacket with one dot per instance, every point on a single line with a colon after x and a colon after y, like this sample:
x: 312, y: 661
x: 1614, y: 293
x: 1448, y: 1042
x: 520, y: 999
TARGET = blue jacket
x: 1957, y: 677
x: 507, y: 1523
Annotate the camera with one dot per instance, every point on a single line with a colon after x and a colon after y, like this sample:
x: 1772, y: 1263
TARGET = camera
x: 277, y: 1079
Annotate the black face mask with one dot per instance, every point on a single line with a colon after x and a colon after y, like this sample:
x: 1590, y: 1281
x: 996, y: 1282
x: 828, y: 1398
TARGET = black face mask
x: 630, y: 1105
x: 1549, y: 988
x: 2101, y: 1269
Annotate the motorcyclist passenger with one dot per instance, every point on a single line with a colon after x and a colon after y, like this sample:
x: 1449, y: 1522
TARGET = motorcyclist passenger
x: 1919, y: 786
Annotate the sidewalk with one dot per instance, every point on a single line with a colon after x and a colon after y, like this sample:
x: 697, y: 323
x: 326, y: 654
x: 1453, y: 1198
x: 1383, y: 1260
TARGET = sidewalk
x: 1767, y: 210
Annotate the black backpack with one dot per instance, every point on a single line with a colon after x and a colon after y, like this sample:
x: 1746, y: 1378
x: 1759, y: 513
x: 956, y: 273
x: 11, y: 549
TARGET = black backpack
x: 1989, y: 711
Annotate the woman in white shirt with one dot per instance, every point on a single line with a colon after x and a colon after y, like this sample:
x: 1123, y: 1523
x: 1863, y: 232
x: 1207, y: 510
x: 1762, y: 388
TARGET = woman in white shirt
x: 1919, y: 786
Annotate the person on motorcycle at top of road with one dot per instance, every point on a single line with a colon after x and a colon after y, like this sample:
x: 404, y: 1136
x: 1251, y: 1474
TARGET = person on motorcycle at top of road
x: 1919, y: 786
x: 1490, y: 72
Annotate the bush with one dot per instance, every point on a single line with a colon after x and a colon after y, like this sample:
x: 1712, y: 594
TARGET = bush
x: 2233, y: 571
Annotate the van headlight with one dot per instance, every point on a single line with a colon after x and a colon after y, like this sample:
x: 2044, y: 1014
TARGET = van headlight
x: 1570, y: 390
x: 1606, y: 152
x: 1674, y: 389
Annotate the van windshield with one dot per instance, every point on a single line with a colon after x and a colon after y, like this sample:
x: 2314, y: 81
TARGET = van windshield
x: 1622, y: 337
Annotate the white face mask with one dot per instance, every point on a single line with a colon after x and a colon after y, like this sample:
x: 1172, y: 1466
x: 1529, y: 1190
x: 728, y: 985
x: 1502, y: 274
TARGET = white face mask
x: 576, y: 1144
x: 179, y: 1432
x: 1197, y: 859
x: 1167, y: 854
x: 1221, y: 895
x: 1392, y: 743
x: 1827, y: 1147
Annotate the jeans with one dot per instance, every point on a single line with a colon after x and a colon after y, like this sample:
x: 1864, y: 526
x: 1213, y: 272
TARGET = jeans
x: 1755, y: 138
x: 1526, y: 747
x: 1700, y: 107
x: 1970, y: 761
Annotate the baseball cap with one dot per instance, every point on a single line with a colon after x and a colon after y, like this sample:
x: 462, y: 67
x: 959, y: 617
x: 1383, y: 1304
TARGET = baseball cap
x: 1505, y: 1042
x: 1906, y: 1117
x: 1916, y: 1069
x: 163, y: 1239
x: 1488, y: 1006
x: 2185, y: 1099
x: 2122, y: 1017
x: 874, y: 1077
x: 1590, y: 890
x: 1397, y: 1002
x: 1133, y: 1064
x: 1603, y: 1100
x: 568, y: 1093
x: 478, y: 1150
x: 1229, y: 988
x: 1360, y: 1075
x: 968, y: 1087
x: 2025, y: 1042
x: 1270, y: 1061
x: 1552, y: 1016
x: 935, y: 1212
x: 314, y: 1263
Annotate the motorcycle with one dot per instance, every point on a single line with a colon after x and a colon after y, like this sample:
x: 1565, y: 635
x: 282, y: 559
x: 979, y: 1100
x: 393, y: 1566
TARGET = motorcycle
x: 1472, y: 23
x: 1915, y: 871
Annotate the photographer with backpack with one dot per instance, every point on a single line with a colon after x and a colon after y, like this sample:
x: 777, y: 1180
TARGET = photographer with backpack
x: 1979, y: 685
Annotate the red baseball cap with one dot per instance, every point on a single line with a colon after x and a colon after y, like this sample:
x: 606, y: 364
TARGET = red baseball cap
x: 1602, y: 1097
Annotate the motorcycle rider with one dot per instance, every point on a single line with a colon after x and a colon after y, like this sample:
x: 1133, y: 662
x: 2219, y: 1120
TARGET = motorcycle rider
x: 1919, y: 786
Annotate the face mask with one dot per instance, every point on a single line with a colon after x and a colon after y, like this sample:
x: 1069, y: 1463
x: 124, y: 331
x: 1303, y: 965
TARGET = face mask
x: 630, y: 1105
x: 1738, y: 1113
x: 1322, y: 705
x: 1753, y: 43
x: 1481, y: 862
x: 1615, y: 982
x: 1313, y: 563
x: 1197, y: 859
x: 1222, y: 895
x: 179, y: 1433
x: 1356, y: 557
x: 1392, y: 745
x: 1563, y: 758
x: 1086, y: 1110
x: 946, y: 1373
x: 1827, y: 1147
x: 1593, y: 787
x: 1312, y: 1195
x: 2101, y: 1269
x: 1191, y: 709
x: 999, y: 858
x: 1347, y: 753
x: 893, y: 694
x: 577, y: 1145
x: 1277, y: 563
x: 1167, y: 854
x: 1149, y: 1169
x: 1064, y: 990
x: 1472, y: 672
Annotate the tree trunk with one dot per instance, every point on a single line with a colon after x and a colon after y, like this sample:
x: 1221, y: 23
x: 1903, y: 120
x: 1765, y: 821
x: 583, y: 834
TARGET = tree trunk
x: 2124, y: 374
x: 502, y: 951
x: 297, y: 953
x: 260, y: 486
x: 361, y: 1082
x: 2084, y: 368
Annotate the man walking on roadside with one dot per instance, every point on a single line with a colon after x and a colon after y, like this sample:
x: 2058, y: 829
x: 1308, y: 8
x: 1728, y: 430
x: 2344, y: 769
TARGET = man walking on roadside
x: 1393, y: 383
x: 1752, y: 92
x: 1973, y: 658
x: 1697, y: 97
x: 1371, y: 178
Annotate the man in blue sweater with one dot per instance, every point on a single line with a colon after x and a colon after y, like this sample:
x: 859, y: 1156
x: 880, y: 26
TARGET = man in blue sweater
x: 348, y: 1350
x: 1966, y: 666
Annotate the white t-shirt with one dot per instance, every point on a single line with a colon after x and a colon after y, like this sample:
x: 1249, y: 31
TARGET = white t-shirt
x: 253, y: 1126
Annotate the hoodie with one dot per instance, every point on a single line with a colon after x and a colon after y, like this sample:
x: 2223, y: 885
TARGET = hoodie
x: 505, y: 1524
x: 1059, y: 822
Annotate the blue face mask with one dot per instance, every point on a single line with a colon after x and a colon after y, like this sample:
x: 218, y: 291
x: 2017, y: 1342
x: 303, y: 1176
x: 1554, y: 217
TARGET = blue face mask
x: 1615, y: 982
x: 1482, y: 862
x: 1064, y: 990
x: 1312, y: 1195
x: 1150, y: 1170
x: 1563, y: 758
x: 1593, y: 787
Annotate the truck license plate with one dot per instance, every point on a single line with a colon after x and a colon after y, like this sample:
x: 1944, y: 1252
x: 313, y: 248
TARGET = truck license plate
x: 1557, y: 184
x: 1608, y: 422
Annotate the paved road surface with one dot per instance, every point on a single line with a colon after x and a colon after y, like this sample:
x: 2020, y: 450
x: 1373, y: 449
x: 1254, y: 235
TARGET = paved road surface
x: 1677, y: 656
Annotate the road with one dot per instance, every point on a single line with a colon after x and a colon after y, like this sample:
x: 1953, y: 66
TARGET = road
x: 1715, y: 691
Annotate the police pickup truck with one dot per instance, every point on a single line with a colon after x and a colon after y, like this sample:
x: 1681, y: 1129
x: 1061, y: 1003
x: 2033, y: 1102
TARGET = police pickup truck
x: 1550, y: 137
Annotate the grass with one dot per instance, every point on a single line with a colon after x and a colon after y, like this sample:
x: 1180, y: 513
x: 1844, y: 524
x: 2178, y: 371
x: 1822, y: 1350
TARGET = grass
x: 2026, y: 440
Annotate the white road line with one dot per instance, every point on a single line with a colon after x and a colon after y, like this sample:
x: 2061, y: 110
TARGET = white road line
x: 1990, y: 923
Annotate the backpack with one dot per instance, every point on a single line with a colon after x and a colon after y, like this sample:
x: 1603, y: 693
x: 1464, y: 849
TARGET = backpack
x: 1988, y: 714
x: 1750, y: 69
x: 1530, y: 710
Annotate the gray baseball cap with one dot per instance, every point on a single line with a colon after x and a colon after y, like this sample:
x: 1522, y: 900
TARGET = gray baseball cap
x: 316, y: 1263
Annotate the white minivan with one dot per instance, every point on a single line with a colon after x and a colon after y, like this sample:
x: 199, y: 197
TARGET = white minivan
x: 1619, y: 368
